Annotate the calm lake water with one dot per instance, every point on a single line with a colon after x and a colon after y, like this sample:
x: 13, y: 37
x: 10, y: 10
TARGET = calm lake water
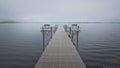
x: 21, y: 45
x: 99, y: 45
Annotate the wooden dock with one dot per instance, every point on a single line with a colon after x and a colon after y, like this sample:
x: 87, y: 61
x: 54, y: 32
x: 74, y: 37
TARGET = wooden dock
x: 60, y: 53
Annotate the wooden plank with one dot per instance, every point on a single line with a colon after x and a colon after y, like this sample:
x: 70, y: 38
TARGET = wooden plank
x: 60, y: 53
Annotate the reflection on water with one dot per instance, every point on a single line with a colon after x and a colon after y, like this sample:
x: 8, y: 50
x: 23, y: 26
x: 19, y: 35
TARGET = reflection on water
x: 21, y: 45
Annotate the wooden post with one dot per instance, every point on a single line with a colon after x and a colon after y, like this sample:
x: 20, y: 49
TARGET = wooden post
x: 70, y: 31
x: 77, y: 39
x: 43, y: 38
x: 51, y: 31
x: 72, y: 36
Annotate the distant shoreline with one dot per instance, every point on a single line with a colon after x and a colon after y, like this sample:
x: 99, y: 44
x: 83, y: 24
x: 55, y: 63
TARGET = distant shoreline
x: 3, y: 22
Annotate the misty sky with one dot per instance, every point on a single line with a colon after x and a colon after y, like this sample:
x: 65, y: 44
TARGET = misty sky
x: 60, y: 10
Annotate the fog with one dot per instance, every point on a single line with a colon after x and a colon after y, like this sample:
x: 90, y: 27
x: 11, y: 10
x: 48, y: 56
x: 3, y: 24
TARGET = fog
x: 60, y: 10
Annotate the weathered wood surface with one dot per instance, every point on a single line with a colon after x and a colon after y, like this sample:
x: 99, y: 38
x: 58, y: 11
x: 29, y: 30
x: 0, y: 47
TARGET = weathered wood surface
x: 60, y: 53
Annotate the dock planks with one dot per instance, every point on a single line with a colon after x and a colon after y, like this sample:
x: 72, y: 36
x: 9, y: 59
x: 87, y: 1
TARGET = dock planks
x: 60, y: 53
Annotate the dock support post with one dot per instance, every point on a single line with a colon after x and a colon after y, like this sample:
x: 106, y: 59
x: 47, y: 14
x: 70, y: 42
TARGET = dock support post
x: 43, y: 38
x: 70, y: 31
x: 51, y: 31
x: 77, y: 31
x: 77, y: 39
x: 72, y: 36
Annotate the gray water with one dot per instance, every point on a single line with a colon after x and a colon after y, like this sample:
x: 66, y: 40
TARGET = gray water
x: 99, y: 45
x: 21, y: 45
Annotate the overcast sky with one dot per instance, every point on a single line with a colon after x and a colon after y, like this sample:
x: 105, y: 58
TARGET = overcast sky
x: 60, y: 10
